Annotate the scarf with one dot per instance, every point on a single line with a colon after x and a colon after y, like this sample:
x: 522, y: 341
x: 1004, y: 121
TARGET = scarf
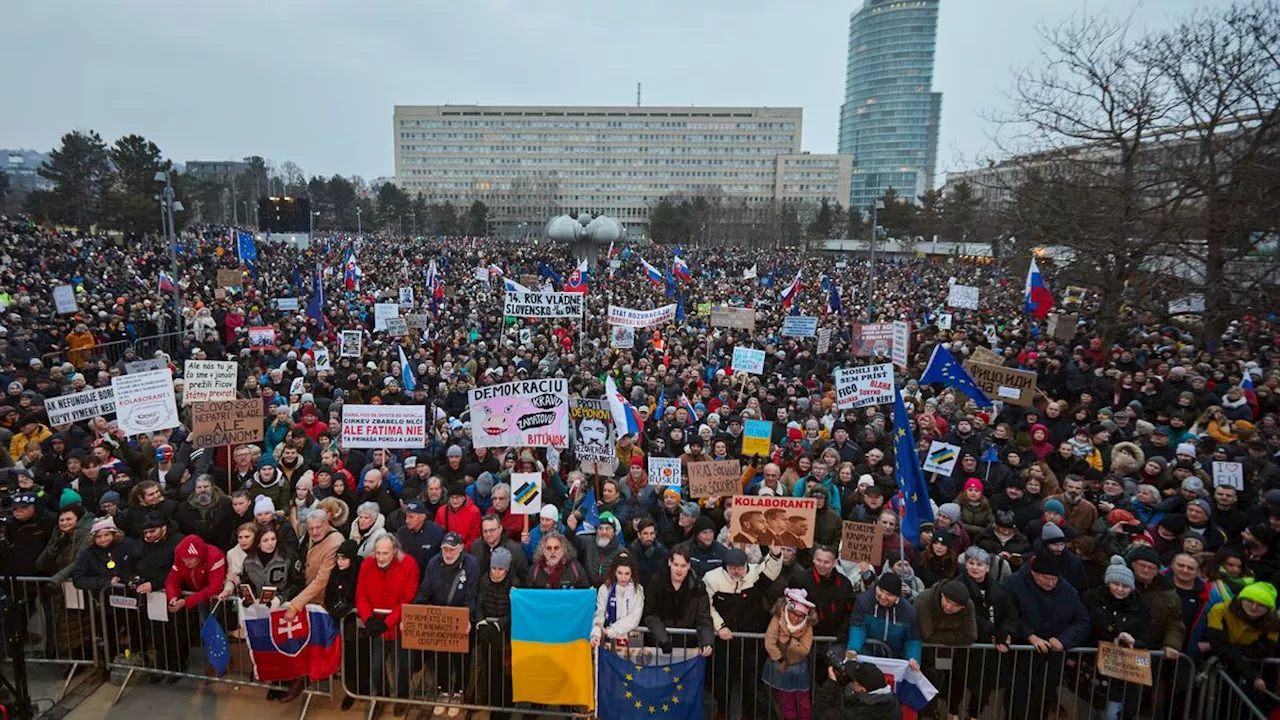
x: 618, y: 594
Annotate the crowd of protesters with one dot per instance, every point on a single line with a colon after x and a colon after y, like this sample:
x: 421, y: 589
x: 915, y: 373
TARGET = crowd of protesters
x: 1091, y: 516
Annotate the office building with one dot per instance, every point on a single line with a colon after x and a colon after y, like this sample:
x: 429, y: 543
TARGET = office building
x: 530, y: 163
x: 890, y: 116
x: 22, y: 167
x: 215, y: 169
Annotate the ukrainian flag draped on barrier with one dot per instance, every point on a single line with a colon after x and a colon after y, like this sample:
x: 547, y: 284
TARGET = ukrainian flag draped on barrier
x: 551, y: 647
x: 629, y: 692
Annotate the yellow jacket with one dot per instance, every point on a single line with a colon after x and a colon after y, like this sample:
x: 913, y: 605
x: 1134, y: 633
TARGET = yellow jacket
x: 1238, y: 632
x: 18, y: 445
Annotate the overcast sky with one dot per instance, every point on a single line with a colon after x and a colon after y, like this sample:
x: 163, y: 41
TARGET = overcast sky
x: 315, y: 82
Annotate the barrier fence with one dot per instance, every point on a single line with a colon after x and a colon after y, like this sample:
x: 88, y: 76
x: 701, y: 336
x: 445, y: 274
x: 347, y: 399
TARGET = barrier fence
x: 1228, y: 698
x: 61, y: 625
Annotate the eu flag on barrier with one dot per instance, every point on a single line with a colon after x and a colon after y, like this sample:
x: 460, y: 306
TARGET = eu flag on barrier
x: 631, y: 692
x: 944, y: 369
x: 906, y: 469
x: 216, y: 650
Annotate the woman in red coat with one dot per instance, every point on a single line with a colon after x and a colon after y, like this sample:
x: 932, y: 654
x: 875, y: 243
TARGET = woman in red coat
x: 460, y: 515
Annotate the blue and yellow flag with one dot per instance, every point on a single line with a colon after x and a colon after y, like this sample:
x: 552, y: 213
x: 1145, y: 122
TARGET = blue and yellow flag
x: 551, y: 647
x: 631, y: 692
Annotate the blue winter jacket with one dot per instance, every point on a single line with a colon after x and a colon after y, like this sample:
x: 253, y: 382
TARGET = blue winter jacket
x: 895, y: 626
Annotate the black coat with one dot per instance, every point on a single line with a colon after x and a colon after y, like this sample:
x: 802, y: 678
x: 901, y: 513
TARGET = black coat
x: 216, y: 526
x: 156, y: 560
x: 96, y: 566
x: 832, y: 596
x: 29, y: 539
x: 688, y: 607
x: 1108, y: 617
x: 996, y: 614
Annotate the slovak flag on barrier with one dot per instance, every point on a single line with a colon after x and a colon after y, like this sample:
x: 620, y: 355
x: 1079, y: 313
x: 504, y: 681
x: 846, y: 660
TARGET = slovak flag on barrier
x: 913, y: 689
x: 655, y: 275
x: 308, y: 645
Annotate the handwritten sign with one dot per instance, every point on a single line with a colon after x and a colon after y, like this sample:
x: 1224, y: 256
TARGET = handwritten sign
x: 824, y: 340
x: 231, y: 422
x: 862, y: 542
x: 732, y: 317
x: 799, y: 326
x: 1016, y: 387
x: 715, y: 478
x: 862, y: 386
x: 756, y: 436
x: 287, y: 303
x: 1127, y: 664
x: 963, y: 296
x: 397, y: 327
x: 986, y: 356
x: 1230, y: 474
x: 208, y: 380
x: 229, y: 278
x: 64, y: 300
x: 748, y: 360
x: 435, y: 627
x: 417, y: 321
x: 665, y: 472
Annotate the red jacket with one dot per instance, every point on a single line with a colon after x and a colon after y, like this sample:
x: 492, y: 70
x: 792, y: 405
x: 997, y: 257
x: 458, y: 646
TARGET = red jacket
x: 379, y: 589
x: 465, y: 521
x: 204, y: 580
x: 512, y: 523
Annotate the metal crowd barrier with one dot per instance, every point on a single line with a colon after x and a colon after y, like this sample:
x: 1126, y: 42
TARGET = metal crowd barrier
x: 134, y: 643
x: 146, y: 347
x: 61, y: 624
x: 1223, y: 697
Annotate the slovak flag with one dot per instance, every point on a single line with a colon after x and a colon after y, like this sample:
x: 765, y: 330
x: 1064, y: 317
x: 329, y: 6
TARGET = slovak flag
x: 688, y: 407
x: 1039, y: 299
x: 789, y: 292
x: 577, y: 282
x: 681, y: 270
x: 625, y: 418
x: 309, y: 645
x: 435, y: 289
x: 612, y: 252
x: 351, y: 274
x: 166, y: 282
x: 512, y: 286
x: 655, y: 275
x: 495, y: 271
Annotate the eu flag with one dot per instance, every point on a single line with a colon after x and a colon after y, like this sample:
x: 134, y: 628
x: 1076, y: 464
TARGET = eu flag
x: 315, y: 306
x: 944, y: 369
x: 906, y: 470
x: 216, y: 650
x: 630, y: 692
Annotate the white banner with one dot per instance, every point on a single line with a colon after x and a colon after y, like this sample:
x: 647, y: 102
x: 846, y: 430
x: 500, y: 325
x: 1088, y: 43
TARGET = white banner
x: 543, y: 304
x: 641, y: 318
x: 64, y: 300
x: 382, y: 311
x: 384, y: 426
x: 530, y: 413
x: 80, y: 406
x: 901, y: 343
x: 866, y: 385
x: 941, y: 458
x: 208, y: 380
x: 748, y: 360
x: 799, y: 326
x: 145, y: 402
x: 1192, y: 304
x: 963, y: 296
x: 824, y: 340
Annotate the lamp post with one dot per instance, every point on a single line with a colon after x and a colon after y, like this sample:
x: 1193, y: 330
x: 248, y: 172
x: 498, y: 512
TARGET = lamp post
x: 170, y: 207
x: 358, y: 226
x: 876, y: 207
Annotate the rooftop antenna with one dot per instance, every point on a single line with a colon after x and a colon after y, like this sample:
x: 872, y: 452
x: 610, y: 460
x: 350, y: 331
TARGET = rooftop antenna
x: 638, y: 94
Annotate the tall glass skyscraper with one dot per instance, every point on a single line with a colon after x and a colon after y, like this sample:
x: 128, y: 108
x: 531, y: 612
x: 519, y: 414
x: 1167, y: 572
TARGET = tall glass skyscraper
x: 890, y: 116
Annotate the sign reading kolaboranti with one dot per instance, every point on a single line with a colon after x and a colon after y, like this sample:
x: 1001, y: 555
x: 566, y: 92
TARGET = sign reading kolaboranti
x: 641, y: 318
x: 387, y: 426
x: 145, y: 402
x: 542, y: 304
x: 533, y: 413
x: 781, y: 521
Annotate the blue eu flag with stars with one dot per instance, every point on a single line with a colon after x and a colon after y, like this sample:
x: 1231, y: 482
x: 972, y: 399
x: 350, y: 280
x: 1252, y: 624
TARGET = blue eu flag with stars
x: 216, y: 649
x: 944, y: 369
x: 906, y: 470
x: 630, y: 692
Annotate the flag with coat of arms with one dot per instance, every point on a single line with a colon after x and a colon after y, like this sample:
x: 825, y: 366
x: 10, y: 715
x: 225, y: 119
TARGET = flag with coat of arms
x: 282, y: 648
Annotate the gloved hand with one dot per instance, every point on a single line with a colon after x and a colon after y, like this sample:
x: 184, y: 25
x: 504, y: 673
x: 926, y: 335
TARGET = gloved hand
x: 375, y: 626
x: 665, y: 647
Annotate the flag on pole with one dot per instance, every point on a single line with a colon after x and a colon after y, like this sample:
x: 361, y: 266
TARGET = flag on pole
x: 166, y: 281
x: 1039, y: 299
x: 513, y: 286
x: 625, y: 418
x: 750, y: 273
x: 612, y: 252
x: 407, y: 380
x: 577, y: 279
x: 906, y: 469
x: 546, y: 271
x: 943, y: 368
x: 351, y: 274
x: 688, y: 407
x: 655, y: 275
x: 680, y: 309
x: 671, y: 284
x: 681, y: 269
x: 834, y: 305
x: 789, y: 292
x: 315, y: 306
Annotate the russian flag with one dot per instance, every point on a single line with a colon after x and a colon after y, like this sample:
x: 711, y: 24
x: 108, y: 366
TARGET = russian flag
x: 309, y: 645
x: 655, y: 275
x: 577, y: 279
x: 1039, y: 299
x: 625, y: 418
x: 351, y: 274
x: 789, y: 292
x: 681, y: 270
x: 166, y: 282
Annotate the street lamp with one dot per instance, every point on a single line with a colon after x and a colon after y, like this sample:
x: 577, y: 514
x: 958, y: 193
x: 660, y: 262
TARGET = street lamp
x: 170, y: 207
x: 311, y: 224
x: 358, y: 230
x: 876, y: 207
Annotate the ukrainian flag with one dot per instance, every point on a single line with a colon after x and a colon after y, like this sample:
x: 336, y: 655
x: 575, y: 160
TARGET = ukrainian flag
x: 551, y: 647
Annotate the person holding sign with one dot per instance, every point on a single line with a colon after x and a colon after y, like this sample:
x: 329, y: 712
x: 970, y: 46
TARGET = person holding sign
x: 451, y: 579
x: 1117, y: 615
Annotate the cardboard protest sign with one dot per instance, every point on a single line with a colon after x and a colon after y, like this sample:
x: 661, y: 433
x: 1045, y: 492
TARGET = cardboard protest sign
x: 75, y: 407
x: 733, y: 317
x: 383, y: 311
x: 207, y: 380
x: 145, y: 402
x: 715, y: 478
x: 862, y: 386
x: 941, y: 458
x: 435, y: 627
x: 352, y: 340
x: 756, y: 437
x: 664, y: 472
x: 963, y: 296
x: 594, y: 436
x: 385, y: 426
x: 1062, y: 326
x: 417, y: 321
x: 1127, y: 664
x: 799, y: 326
x: 862, y: 542
x: 526, y: 493
x: 231, y: 422
x: 64, y: 300
x: 748, y: 360
x: 262, y: 336
x: 641, y: 318
x: 780, y: 521
x: 1016, y: 387
x: 230, y: 278
x: 542, y: 304
x: 529, y: 413
x: 985, y: 356
x: 1230, y: 474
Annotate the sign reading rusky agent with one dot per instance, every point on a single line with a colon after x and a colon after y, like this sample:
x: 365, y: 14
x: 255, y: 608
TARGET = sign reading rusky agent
x: 208, y: 380
x: 530, y: 413
x: 542, y: 304
x: 145, y: 402
x: 80, y: 406
x: 641, y: 318
x: 387, y: 426
x: 861, y: 386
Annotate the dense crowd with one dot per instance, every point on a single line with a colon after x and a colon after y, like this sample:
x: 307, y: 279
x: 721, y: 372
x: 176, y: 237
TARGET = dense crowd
x: 1093, y: 515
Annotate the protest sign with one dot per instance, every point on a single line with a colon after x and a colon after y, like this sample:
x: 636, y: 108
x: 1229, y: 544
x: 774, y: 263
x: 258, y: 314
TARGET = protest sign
x: 526, y: 493
x: 756, y: 437
x: 767, y: 520
x: 64, y: 300
x: 733, y: 317
x: 262, y: 336
x: 406, y: 297
x: 79, y: 406
x: 622, y: 337
x: 208, y: 380
x: 351, y: 343
x: 322, y: 358
x: 963, y: 296
x: 397, y: 327
x: 1062, y: 326
x: 704, y: 309
x: 944, y: 321
x: 145, y: 402
x: 865, y: 385
x: 481, y: 274
x: 230, y: 422
x: 641, y: 318
x: 542, y: 304
x: 941, y: 458
x: 664, y: 472
x: 824, y: 340
x: 140, y: 366
x: 594, y: 436
x: 748, y: 360
x: 1230, y: 474
x: 715, y: 478
x: 439, y: 628
x: 287, y: 303
x: 1127, y: 664
x: 1016, y: 387
x: 1073, y: 296
x: 1192, y: 304
x: 872, y: 339
x: 984, y: 356
x: 862, y: 542
x: 901, y: 347
x: 382, y: 311
x: 529, y: 413
x: 417, y: 321
x: 385, y: 426
x: 799, y: 326
x: 230, y: 278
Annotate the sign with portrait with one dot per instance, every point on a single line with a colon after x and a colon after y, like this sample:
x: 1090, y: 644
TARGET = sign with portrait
x: 777, y: 521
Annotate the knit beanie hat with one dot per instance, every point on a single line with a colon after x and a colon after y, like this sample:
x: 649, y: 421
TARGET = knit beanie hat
x: 1118, y: 572
x: 890, y: 583
x: 349, y: 549
x: 1262, y: 593
x: 951, y: 510
x: 1051, y: 533
x: 955, y: 591
x: 1054, y: 505
x: 68, y: 498
x: 263, y: 504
